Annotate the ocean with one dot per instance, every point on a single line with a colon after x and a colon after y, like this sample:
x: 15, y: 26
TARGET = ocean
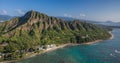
x: 107, y: 51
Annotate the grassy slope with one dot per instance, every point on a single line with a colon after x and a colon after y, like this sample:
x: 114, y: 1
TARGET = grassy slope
x: 35, y: 28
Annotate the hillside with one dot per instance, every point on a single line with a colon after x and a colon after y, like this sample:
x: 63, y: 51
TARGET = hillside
x: 20, y: 34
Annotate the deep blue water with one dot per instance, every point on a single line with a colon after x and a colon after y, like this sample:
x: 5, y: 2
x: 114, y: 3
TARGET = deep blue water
x: 103, y: 52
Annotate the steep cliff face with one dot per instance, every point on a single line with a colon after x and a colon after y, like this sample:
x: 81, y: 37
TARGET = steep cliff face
x: 21, y: 34
x: 36, y: 28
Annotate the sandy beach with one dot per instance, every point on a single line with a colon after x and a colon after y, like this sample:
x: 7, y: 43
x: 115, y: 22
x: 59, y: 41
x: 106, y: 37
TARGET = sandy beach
x: 59, y: 46
x: 88, y: 43
x: 112, y: 36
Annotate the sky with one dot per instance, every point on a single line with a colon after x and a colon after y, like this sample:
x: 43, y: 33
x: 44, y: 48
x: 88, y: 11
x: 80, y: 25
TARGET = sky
x: 97, y: 10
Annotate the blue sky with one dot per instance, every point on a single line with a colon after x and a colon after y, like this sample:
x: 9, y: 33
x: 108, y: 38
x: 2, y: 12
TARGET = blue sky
x: 99, y: 10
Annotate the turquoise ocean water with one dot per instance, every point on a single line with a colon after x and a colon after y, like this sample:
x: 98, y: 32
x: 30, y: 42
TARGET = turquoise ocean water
x: 103, y: 52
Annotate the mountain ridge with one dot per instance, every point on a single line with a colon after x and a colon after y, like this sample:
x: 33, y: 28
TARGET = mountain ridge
x: 34, y: 28
x: 29, y: 20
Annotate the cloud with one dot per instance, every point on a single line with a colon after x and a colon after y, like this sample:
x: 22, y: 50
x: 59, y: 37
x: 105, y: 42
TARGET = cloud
x: 67, y: 15
x: 19, y: 11
x: 82, y: 15
x: 3, y: 12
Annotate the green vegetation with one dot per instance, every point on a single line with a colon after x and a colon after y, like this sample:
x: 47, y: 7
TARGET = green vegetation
x: 22, y: 34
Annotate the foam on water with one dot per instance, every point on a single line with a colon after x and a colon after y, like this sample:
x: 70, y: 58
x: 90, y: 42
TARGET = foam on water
x: 116, y: 51
x: 102, y: 52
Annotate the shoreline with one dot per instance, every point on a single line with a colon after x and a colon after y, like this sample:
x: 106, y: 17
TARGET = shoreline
x: 58, y: 47
x: 112, y: 36
x: 96, y: 41
x: 42, y: 52
x: 92, y: 42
